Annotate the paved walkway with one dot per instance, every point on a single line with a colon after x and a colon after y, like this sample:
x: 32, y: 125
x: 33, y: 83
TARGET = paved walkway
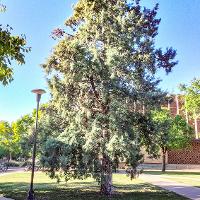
x: 179, y: 188
x: 3, y: 198
x: 11, y: 170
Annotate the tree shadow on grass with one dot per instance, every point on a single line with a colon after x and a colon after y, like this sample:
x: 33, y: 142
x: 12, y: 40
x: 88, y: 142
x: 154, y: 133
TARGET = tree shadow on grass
x: 147, y: 191
x: 85, y: 190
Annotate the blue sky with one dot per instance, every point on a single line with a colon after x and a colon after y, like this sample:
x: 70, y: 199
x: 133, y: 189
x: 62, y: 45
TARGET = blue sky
x: 180, y: 28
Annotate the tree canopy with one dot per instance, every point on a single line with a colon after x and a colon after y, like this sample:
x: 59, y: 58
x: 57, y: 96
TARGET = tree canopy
x: 192, y: 101
x: 9, y: 139
x: 171, y: 132
x: 192, y: 97
x: 12, y: 48
x: 16, y: 137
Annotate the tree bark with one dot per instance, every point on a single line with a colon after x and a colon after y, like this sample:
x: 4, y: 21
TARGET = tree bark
x: 106, y: 167
x: 10, y: 156
x: 106, y: 176
x: 164, y: 159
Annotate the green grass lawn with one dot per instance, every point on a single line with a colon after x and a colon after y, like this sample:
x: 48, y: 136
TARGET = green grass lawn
x: 16, y: 185
x: 190, y: 178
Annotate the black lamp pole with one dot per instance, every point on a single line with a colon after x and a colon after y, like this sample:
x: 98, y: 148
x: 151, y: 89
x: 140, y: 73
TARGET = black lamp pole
x: 38, y: 92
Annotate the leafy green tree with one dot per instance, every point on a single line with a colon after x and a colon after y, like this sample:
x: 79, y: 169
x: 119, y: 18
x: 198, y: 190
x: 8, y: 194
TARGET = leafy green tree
x: 181, y: 133
x: 23, y: 128
x: 2, y: 7
x: 172, y: 132
x: 17, y: 137
x: 11, y: 48
x: 192, y: 101
x: 9, y: 138
x: 3, y: 151
x: 103, y: 85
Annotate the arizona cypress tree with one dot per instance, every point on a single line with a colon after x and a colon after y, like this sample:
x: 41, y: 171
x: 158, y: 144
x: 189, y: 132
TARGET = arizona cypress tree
x: 103, y: 87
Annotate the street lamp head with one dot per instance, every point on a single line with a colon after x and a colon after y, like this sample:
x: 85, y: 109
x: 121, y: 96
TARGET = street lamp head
x: 38, y: 91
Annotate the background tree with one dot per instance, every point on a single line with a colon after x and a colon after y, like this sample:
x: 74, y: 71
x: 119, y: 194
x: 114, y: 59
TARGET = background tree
x: 2, y: 7
x: 23, y: 128
x: 3, y: 151
x: 16, y: 138
x: 172, y: 132
x: 102, y: 82
x: 12, y: 48
x: 9, y: 139
x: 192, y: 101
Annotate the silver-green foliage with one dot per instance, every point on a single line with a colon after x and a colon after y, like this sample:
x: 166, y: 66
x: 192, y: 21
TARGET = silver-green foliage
x: 103, y: 85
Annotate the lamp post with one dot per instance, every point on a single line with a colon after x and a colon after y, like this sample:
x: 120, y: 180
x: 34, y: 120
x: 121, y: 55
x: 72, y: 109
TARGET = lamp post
x: 38, y: 92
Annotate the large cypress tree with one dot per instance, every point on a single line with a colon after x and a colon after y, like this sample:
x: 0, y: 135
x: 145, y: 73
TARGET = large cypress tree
x: 102, y: 81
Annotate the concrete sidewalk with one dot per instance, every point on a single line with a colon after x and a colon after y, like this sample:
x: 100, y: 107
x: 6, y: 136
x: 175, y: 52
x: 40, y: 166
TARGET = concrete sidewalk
x: 12, y: 170
x: 3, y: 198
x: 179, y: 188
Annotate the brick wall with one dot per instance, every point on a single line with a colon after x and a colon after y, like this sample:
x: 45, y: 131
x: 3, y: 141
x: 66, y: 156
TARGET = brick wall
x: 189, y: 155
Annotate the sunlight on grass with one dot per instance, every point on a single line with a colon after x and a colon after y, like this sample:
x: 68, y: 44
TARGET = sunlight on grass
x: 190, y: 178
x: 16, y: 185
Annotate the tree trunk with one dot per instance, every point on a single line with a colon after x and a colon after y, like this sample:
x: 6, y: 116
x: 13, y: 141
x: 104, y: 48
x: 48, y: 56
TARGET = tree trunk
x: 164, y: 159
x: 10, y: 156
x: 106, y: 176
